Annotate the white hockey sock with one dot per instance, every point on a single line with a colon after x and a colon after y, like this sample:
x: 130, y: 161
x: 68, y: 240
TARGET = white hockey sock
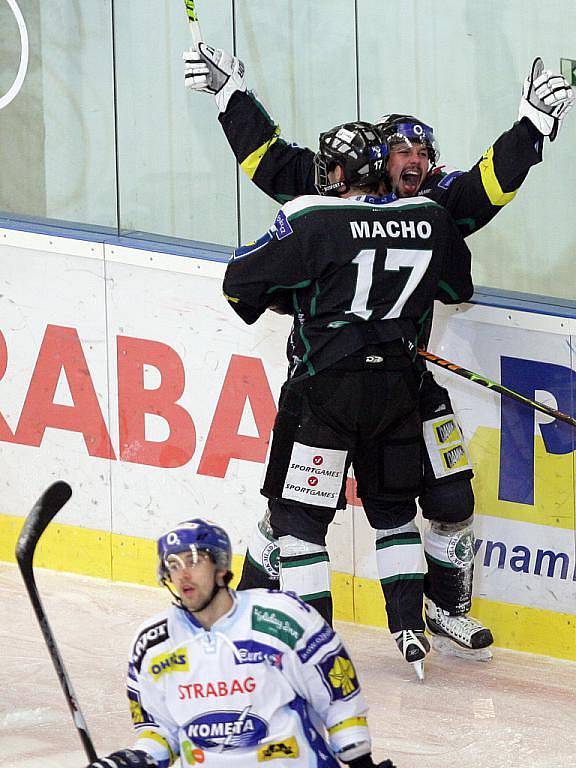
x: 399, y: 554
x: 304, y: 568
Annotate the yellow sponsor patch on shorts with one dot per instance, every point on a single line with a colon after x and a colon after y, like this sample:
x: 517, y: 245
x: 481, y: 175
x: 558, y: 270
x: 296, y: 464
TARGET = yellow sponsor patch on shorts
x: 286, y: 749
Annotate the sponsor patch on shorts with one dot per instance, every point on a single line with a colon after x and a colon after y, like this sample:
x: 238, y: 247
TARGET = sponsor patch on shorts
x: 315, y: 475
x: 445, y: 446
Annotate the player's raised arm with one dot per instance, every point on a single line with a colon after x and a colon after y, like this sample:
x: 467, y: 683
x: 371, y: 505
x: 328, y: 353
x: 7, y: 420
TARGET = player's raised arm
x: 279, y: 169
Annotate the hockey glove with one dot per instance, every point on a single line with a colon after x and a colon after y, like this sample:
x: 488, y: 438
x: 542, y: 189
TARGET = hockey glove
x: 214, y: 71
x: 125, y: 758
x: 546, y: 98
x: 366, y: 762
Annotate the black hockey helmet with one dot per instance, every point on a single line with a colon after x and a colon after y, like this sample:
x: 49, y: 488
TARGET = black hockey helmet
x: 358, y: 148
x: 407, y: 128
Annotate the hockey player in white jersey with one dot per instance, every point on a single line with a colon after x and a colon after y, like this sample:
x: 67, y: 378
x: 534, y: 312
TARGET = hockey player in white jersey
x: 237, y: 679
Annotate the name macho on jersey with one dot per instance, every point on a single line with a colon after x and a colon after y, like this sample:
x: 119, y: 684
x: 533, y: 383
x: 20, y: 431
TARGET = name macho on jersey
x: 355, y: 271
x: 194, y: 691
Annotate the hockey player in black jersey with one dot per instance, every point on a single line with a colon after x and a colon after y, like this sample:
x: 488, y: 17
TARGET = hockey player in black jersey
x: 358, y: 271
x: 473, y: 198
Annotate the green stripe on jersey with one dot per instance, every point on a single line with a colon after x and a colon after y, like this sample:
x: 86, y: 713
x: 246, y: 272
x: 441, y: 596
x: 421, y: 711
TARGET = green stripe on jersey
x: 309, y: 203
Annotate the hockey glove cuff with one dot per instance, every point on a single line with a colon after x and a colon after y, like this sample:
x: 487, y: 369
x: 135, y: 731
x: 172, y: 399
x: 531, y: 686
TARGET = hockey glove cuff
x: 212, y: 70
x: 546, y: 98
x: 125, y: 758
x: 366, y: 762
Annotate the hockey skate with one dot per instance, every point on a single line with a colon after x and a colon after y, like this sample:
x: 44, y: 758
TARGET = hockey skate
x: 460, y: 636
x: 414, y: 646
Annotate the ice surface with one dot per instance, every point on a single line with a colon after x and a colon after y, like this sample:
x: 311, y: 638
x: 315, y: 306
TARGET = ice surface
x: 516, y: 711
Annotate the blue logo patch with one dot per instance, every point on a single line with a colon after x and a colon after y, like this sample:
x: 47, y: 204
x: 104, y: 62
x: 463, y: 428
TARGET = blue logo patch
x: 282, y: 225
x: 251, y: 652
x: 227, y: 729
x: 449, y: 178
x: 338, y: 675
x: 325, y: 635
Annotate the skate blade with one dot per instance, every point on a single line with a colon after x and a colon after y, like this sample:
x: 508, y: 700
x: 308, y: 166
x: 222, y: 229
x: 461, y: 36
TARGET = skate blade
x: 419, y: 669
x: 447, y: 647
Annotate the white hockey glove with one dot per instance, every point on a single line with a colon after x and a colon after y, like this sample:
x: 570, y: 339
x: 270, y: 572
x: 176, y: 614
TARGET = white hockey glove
x: 214, y: 71
x: 546, y: 98
x: 125, y: 758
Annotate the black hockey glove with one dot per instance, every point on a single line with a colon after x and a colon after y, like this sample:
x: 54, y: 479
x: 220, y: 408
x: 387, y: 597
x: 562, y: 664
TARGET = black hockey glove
x: 366, y: 762
x: 125, y: 758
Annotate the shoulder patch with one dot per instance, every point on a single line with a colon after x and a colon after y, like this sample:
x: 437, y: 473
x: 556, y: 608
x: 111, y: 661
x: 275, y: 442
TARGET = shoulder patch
x: 449, y: 178
x: 317, y: 641
x: 277, y: 624
x: 338, y: 675
x: 282, y: 226
x: 148, y: 638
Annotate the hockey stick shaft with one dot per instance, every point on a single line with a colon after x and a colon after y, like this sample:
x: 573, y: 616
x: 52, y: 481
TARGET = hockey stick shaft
x: 193, y: 22
x: 502, y: 390
x: 45, y: 509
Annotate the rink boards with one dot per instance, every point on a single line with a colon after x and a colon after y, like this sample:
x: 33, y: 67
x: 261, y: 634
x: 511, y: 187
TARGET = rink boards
x: 124, y: 372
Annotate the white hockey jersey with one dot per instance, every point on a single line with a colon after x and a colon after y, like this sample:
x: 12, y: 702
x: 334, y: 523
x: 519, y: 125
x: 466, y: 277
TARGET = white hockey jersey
x: 270, y: 681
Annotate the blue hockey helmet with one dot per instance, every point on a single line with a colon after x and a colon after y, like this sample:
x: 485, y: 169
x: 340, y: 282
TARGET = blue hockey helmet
x: 195, y: 536
x: 396, y: 129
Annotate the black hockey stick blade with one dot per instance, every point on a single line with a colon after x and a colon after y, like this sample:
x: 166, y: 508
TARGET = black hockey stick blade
x: 476, y: 378
x: 45, y: 509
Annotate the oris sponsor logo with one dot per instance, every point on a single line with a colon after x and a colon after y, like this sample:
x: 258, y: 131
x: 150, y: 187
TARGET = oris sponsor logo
x: 176, y: 661
x: 148, y: 638
x: 229, y: 729
x: 216, y: 689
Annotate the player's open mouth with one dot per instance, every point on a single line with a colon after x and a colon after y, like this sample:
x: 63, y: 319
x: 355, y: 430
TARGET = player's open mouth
x: 411, y: 180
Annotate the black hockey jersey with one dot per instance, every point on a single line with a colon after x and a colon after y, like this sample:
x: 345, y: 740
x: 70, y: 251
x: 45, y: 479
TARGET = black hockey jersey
x: 284, y: 171
x: 358, y: 271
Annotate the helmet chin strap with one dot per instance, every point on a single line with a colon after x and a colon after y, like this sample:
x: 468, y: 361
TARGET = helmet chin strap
x: 178, y: 600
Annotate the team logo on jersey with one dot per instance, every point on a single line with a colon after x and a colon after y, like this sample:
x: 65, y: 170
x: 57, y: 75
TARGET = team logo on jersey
x: 227, y: 729
x: 277, y: 624
x: 251, y: 652
x: 148, y: 638
x: 286, y: 749
x: 175, y: 661
x: 338, y: 675
x: 282, y: 226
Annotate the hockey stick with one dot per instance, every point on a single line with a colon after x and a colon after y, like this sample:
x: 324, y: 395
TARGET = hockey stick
x: 477, y: 379
x: 193, y: 22
x: 46, y: 508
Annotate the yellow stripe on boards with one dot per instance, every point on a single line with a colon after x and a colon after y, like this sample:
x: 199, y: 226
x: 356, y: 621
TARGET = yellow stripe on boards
x: 133, y: 560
